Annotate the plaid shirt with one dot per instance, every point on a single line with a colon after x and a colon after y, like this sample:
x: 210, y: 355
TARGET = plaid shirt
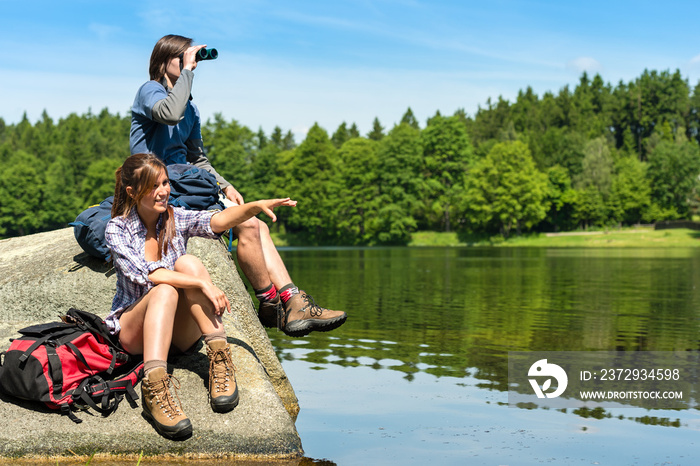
x: 126, y: 237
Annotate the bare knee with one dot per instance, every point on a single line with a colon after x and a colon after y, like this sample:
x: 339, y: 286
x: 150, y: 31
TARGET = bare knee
x: 264, y: 230
x: 248, y: 231
x: 165, y: 293
x: 191, y: 265
x: 157, y: 306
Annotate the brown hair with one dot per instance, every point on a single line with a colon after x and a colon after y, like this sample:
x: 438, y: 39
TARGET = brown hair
x: 141, y: 172
x: 167, y: 48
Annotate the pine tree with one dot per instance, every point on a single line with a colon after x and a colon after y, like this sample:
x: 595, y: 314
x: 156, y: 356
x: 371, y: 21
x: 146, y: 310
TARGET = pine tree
x: 377, y: 132
x: 340, y: 136
x: 353, y: 132
x: 261, y: 139
x: 410, y: 119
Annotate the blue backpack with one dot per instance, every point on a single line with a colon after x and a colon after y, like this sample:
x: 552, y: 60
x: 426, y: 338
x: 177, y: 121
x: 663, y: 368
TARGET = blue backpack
x: 190, y: 187
x: 89, y: 229
x: 193, y: 188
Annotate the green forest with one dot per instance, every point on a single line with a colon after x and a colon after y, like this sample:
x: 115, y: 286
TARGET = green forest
x: 594, y: 156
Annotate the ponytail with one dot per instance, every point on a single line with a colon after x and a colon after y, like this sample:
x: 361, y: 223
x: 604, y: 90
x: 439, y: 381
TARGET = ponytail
x: 167, y: 233
x: 119, y: 202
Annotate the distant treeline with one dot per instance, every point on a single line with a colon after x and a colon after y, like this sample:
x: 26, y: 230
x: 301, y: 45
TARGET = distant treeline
x: 593, y: 156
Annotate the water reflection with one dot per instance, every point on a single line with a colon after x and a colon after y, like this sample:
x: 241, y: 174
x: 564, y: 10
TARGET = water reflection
x: 446, y: 310
x: 453, y: 314
x: 375, y: 354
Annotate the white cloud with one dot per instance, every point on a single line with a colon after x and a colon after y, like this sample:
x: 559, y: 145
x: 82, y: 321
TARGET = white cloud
x: 105, y: 31
x: 588, y: 64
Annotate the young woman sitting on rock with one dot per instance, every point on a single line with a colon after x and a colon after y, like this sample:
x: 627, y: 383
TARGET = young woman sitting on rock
x: 165, y: 299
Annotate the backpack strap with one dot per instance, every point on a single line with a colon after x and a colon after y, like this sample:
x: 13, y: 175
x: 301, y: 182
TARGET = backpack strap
x: 79, y: 355
x: 93, y: 387
x: 82, y: 394
x: 112, y: 364
x: 25, y: 356
x: 118, y: 388
x: 55, y: 370
x: 66, y: 411
x: 111, y: 392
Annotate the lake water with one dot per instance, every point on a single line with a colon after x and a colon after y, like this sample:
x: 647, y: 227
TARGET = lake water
x: 419, y: 373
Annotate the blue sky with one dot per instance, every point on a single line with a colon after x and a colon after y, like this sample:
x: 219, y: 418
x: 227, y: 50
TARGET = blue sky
x: 294, y: 63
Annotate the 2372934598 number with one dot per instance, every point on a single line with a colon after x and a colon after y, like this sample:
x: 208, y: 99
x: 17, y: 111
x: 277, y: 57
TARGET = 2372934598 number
x: 639, y: 374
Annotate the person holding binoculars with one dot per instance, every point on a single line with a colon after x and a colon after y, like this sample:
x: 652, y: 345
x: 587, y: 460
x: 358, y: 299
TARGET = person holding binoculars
x: 165, y: 122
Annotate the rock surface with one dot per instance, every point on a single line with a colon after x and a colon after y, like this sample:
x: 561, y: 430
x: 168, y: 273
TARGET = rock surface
x: 43, y: 275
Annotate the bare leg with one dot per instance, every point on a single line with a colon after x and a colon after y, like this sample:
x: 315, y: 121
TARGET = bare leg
x: 197, y: 317
x: 166, y: 315
x: 250, y: 255
x: 275, y: 267
x: 147, y: 326
x: 296, y: 314
x: 258, y: 257
x: 195, y: 314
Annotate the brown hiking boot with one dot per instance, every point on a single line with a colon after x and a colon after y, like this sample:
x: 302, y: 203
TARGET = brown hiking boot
x: 269, y: 312
x: 159, y: 406
x: 223, y: 390
x: 303, y: 316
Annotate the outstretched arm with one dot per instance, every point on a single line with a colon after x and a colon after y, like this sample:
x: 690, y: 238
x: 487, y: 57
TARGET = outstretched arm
x: 235, y: 215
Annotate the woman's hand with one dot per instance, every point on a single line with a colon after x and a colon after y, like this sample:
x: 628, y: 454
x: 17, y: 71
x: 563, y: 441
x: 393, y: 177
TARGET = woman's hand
x: 266, y: 206
x: 189, y: 57
x: 217, y: 297
x: 237, y: 214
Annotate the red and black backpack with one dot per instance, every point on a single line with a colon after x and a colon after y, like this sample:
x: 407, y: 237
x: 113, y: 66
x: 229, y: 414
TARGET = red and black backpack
x: 70, y: 364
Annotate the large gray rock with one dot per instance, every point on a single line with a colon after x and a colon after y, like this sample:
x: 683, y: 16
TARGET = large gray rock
x: 43, y: 275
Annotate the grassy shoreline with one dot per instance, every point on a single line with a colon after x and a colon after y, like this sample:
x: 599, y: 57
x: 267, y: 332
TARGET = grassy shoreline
x: 633, y: 237
x: 637, y: 237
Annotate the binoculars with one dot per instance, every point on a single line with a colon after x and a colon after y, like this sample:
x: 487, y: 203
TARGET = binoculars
x: 206, y: 54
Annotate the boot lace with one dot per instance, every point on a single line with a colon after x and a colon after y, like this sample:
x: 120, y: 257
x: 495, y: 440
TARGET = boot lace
x: 314, y: 309
x: 164, y: 396
x: 221, y: 370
